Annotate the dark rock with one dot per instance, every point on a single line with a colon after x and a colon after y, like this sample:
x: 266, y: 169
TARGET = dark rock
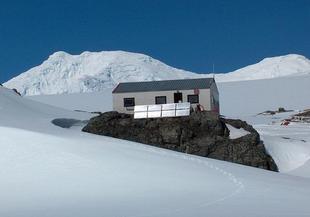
x: 305, y: 113
x: 281, y: 109
x: 201, y: 133
x: 16, y: 91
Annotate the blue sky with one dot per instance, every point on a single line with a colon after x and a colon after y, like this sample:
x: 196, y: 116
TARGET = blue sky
x: 191, y: 35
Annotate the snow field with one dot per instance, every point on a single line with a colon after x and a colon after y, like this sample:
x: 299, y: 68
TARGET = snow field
x: 51, y: 171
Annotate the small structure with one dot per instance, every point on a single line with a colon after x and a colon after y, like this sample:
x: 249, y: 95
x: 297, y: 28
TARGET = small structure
x: 202, y: 93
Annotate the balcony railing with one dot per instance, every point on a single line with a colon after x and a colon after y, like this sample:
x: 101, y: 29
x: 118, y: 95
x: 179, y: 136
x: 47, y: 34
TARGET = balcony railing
x: 161, y: 111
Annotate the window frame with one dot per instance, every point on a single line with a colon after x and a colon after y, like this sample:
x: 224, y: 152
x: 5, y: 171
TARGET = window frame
x: 193, y: 95
x: 129, y: 98
x: 157, y: 97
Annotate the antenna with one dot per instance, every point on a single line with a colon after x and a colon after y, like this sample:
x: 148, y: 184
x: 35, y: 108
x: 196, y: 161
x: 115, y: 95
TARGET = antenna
x: 213, y: 68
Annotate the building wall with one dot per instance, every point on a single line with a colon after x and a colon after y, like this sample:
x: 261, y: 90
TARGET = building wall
x: 215, y: 101
x: 148, y: 98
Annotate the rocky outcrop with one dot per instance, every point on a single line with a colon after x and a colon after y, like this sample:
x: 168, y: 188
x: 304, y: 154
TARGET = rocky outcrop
x: 305, y: 113
x: 201, y: 133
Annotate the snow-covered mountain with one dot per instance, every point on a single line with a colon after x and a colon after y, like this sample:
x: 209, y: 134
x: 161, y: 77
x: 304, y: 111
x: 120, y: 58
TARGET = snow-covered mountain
x: 92, y: 71
x: 273, y: 67
x: 95, y: 71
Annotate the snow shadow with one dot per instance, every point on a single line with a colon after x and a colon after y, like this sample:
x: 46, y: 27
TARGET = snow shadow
x: 68, y: 123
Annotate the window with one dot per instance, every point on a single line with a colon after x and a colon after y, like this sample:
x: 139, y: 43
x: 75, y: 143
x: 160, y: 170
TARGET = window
x: 160, y: 99
x: 178, y: 97
x: 193, y: 98
x: 129, y: 102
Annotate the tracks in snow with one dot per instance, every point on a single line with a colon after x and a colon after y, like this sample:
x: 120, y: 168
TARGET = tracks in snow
x: 232, y: 178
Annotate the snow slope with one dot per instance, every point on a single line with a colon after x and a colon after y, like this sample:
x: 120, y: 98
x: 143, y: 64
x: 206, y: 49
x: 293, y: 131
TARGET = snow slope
x: 19, y: 112
x: 50, y: 171
x: 288, y: 145
x: 246, y: 98
x: 96, y: 71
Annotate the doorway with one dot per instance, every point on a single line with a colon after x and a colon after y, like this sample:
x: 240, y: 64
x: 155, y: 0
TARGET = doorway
x: 178, y: 97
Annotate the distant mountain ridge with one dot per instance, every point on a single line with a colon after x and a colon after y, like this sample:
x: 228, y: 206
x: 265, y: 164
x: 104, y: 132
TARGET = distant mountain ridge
x: 95, y: 71
x: 272, y: 67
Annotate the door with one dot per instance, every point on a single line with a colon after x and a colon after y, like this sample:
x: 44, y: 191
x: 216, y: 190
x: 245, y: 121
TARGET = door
x: 178, y: 97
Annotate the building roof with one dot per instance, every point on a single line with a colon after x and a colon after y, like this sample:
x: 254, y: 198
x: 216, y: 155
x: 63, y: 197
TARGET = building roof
x: 165, y: 85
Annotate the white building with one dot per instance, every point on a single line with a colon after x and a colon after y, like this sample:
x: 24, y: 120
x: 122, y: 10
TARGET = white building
x: 202, y: 91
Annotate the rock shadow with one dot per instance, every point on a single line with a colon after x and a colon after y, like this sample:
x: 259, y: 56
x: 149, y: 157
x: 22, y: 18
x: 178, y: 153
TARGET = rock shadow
x: 68, y: 123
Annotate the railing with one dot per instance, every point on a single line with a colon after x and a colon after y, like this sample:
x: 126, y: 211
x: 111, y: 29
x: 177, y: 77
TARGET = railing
x: 160, y: 111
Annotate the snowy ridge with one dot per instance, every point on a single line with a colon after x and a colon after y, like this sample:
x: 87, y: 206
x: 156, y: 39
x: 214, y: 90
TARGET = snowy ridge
x: 95, y: 71
x: 274, y: 67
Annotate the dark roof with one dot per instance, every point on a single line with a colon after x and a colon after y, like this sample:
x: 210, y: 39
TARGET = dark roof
x: 145, y: 86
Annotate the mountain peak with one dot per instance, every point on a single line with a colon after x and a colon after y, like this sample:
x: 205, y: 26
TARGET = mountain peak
x: 59, y: 54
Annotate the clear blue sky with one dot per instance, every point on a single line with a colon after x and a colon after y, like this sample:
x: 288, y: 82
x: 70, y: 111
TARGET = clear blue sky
x: 186, y: 34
